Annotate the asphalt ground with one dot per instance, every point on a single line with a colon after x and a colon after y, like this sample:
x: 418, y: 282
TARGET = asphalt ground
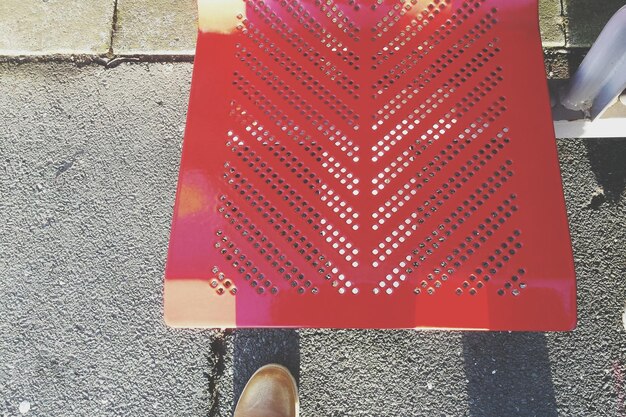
x: 89, y: 166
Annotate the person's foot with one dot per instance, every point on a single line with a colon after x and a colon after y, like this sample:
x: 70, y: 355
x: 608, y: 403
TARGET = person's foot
x: 270, y: 392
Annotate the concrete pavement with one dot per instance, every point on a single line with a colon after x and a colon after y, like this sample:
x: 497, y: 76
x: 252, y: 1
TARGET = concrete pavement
x: 168, y: 27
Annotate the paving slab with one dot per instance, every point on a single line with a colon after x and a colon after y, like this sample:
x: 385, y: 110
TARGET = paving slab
x: 586, y: 18
x: 156, y: 27
x: 90, y: 158
x: 552, y: 23
x: 168, y: 27
x: 161, y: 27
x: 43, y: 27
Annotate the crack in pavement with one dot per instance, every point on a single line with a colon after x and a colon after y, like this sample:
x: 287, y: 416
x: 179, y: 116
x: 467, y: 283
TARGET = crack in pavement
x: 216, y: 372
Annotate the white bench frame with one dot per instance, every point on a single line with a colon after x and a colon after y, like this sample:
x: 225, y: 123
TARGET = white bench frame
x: 593, y: 103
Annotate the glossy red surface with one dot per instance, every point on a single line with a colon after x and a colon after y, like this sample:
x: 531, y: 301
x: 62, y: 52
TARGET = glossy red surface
x: 387, y: 166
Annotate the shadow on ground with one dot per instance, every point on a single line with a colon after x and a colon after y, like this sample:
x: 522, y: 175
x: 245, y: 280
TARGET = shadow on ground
x: 254, y: 348
x: 508, y: 375
x: 606, y: 157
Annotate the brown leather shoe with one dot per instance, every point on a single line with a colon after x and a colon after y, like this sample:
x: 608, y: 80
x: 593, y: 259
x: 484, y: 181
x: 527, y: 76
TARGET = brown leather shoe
x: 270, y: 392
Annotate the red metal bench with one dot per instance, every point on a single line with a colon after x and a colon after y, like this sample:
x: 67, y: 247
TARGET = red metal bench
x: 379, y: 164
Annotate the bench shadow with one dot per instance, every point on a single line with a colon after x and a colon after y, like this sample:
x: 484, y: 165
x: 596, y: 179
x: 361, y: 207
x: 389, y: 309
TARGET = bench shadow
x: 254, y: 348
x: 508, y: 375
x: 606, y: 157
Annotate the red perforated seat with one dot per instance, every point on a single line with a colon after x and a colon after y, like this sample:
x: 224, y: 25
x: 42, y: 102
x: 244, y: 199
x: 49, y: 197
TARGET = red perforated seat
x: 370, y: 164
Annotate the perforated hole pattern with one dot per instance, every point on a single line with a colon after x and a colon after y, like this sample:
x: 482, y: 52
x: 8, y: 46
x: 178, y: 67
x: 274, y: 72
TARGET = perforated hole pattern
x: 299, y: 139
x: 369, y: 151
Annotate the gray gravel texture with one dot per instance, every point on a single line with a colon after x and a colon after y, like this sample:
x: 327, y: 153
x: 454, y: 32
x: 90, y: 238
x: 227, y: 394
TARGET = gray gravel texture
x: 89, y: 164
